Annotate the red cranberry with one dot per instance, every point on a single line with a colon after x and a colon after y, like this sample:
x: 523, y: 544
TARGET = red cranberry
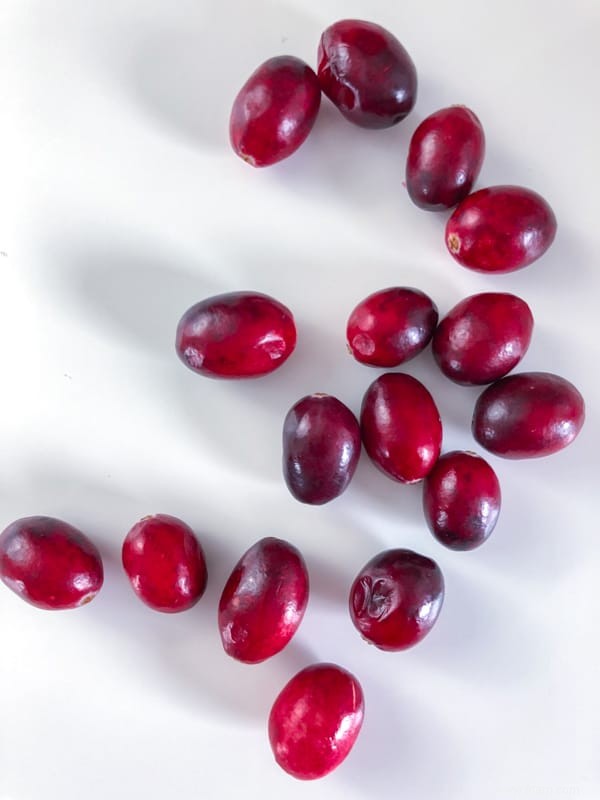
x: 461, y: 500
x: 444, y: 158
x: 396, y: 599
x: 321, y: 448
x: 365, y: 71
x: 528, y: 415
x: 500, y: 229
x: 315, y: 720
x: 401, y: 427
x: 236, y: 335
x: 49, y: 563
x: 483, y: 338
x: 274, y: 111
x: 165, y: 563
x: 391, y: 326
x: 263, y: 601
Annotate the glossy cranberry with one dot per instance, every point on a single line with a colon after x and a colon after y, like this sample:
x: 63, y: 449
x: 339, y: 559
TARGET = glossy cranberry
x: 236, y: 335
x: 401, y: 427
x: 365, y: 71
x: 483, y: 337
x: 263, y: 601
x: 49, y: 563
x: 274, y: 111
x: 461, y: 500
x: 444, y: 158
x: 396, y: 598
x: 500, y: 229
x: 315, y: 720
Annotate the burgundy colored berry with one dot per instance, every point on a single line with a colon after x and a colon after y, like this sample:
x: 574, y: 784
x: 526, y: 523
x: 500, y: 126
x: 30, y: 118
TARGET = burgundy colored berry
x: 263, y: 601
x: 500, y: 229
x: 315, y: 720
x: 274, y: 111
x: 461, y: 500
x: 236, y: 335
x: 396, y: 598
x: 49, y: 563
x: 444, y: 158
x: 366, y: 72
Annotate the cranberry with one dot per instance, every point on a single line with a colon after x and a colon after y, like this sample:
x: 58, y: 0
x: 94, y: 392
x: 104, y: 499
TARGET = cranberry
x: 500, y: 229
x: 483, y: 337
x: 315, y: 720
x: 274, y: 111
x: 365, y: 71
x: 236, y: 335
x: 444, y: 158
x: 391, y: 326
x: 528, y: 415
x: 396, y: 598
x: 461, y: 500
x: 49, y: 563
x: 263, y: 601
x: 401, y: 427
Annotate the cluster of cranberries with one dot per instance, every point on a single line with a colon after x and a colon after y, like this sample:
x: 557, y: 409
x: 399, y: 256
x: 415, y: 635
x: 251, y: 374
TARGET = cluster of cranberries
x: 397, y: 596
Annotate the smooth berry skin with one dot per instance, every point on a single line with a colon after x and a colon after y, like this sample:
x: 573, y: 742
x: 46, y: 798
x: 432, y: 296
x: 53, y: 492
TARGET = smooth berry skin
x: 391, y: 326
x: 315, y: 720
x: 483, y: 338
x: 500, y: 229
x: 444, y: 158
x: 263, y: 601
x: 236, y: 335
x: 528, y: 415
x: 165, y: 563
x: 401, y: 427
x: 461, y: 500
x: 274, y: 111
x: 396, y: 598
x: 321, y: 448
x: 366, y: 72
x: 49, y: 563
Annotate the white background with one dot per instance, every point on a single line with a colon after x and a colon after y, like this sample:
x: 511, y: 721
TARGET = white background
x: 121, y: 204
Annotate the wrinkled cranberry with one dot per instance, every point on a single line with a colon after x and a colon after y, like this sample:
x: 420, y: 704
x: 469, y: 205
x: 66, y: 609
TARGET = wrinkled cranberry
x: 49, y: 563
x: 315, y: 720
x: 366, y: 72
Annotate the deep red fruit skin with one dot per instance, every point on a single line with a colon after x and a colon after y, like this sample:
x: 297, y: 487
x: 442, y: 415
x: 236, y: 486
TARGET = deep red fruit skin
x: 396, y: 598
x: 263, y: 601
x: 49, y: 563
x: 483, y: 337
x: 236, y: 335
x: 315, y: 720
x: 401, y: 427
x: 461, y: 500
x: 391, y: 326
x: 444, y: 158
x: 164, y: 563
x: 321, y: 448
x: 366, y: 72
x: 528, y: 415
x: 500, y: 229
x: 274, y: 111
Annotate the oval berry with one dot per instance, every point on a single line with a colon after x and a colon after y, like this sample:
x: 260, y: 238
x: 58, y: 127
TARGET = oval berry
x: 366, y: 72
x: 315, y: 721
x: 500, y: 229
x: 274, y: 111
x: 49, y: 563
x: 529, y: 415
x: 444, y: 158
x: 263, y: 601
x: 236, y: 335
x: 396, y: 598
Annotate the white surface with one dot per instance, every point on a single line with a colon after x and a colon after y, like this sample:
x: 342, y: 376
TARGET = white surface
x: 121, y: 204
